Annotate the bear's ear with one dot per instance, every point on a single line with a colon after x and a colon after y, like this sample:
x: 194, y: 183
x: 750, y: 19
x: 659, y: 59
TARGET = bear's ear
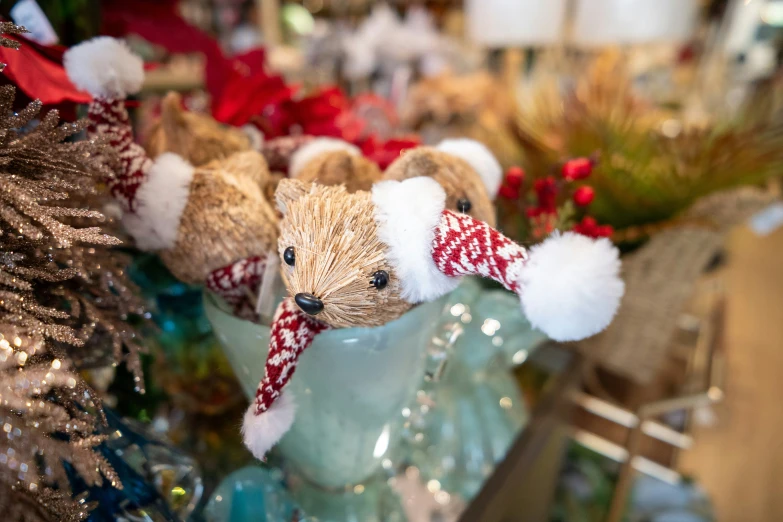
x: 288, y: 191
x: 421, y: 161
x: 172, y: 114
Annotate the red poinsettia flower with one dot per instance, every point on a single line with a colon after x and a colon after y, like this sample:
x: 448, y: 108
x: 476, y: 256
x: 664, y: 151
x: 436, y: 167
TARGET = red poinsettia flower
x: 37, y: 71
x: 385, y: 152
x: 159, y: 22
x: 326, y: 113
x: 257, y: 98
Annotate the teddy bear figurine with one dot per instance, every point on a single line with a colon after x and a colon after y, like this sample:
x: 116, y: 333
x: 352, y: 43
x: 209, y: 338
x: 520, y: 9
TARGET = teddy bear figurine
x: 331, y: 161
x: 364, y: 258
x: 465, y: 168
x: 212, y: 224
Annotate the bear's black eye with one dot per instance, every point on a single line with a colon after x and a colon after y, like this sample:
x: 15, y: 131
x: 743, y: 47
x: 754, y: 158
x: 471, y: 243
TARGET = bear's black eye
x: 463, y: 205
x: 289, y: 256
x: 380, y: 279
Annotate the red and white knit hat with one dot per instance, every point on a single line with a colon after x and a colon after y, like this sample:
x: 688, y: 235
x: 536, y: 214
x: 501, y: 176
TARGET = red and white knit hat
x: 152, y: 194
x: 569, y: 285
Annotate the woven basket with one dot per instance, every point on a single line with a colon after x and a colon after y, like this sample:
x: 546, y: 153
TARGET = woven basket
x: 660, y: 278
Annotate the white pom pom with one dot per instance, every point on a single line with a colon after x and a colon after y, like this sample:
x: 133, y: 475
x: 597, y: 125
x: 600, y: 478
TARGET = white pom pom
x: 407, y: 213
x: 105, y: 67
x: 479, y: 157
x: 261, y: 432
x: 315, y: 148
x: 160, y: 201
x: 571, y: 287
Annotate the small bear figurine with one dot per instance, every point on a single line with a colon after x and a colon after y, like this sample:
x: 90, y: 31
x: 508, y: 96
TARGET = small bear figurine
x: 211, y: 224
x: 466, y: 169
x: 331, y: 161
x: 364, y: 258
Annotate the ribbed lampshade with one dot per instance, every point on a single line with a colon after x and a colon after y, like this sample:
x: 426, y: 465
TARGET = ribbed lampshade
x: 509, y: 23
x: 607, y: 22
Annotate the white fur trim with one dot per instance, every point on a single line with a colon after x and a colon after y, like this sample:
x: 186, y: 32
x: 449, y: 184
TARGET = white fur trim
x: 479, y: 157
x: 571, y: 287
x: 261, y: 432
x: 160, y: 201
x: 315, y: 148
x: 407, y: 214
x: 256, y: 136
x: 104, y: 66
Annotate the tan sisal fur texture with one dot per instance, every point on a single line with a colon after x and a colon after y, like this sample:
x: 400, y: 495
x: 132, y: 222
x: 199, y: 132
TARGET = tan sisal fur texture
x: 196, y: 137
x: 227, y: 218
x: 334, y: 236
x: 455, y: 175
x: 341, y: 167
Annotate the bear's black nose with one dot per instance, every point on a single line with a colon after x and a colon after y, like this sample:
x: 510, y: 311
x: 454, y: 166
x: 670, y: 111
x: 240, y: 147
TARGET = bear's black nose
x: 309, y: 303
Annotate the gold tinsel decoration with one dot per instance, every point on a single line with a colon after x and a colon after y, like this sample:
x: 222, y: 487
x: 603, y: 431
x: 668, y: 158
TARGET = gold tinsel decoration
x: 64, y: 304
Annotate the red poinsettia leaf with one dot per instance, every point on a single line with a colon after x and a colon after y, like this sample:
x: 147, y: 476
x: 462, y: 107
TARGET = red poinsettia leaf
x: 38, y: 72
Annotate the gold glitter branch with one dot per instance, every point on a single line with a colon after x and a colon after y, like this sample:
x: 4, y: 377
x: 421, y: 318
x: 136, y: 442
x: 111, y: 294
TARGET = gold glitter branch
x: 10, y: 28
x: 47, y: 416
x: 58, y: 275
x: 65, y: 304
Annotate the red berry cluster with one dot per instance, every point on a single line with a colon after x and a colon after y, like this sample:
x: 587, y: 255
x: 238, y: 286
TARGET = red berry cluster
x: 512, y: 182
x: 554, y: 202
x: 589, y: 227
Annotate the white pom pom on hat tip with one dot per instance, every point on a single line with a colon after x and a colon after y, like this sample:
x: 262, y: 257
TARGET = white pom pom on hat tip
x: 104, y: 67
x: 261, y: 432
x: 571, y: 286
